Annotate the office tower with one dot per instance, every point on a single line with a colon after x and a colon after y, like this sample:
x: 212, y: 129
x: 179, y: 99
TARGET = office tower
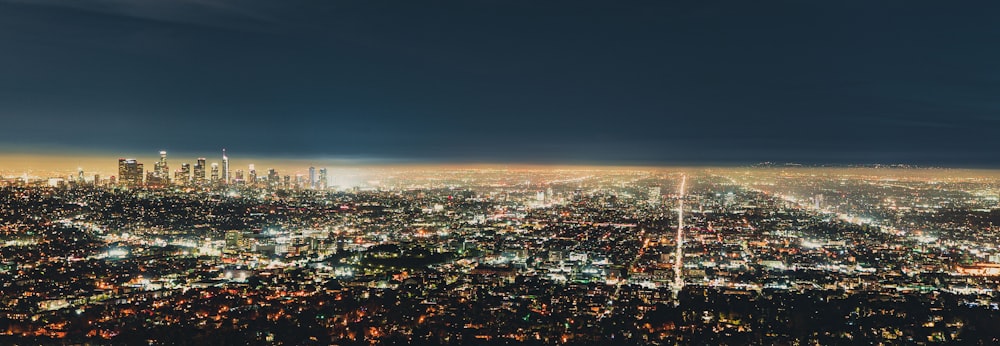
x: 79, y: 178
x: 312, y: 177
x: 215, y: 172
x: 225, y: 167
x: 288, y: 182
x: 183, y: 176
x: 160, y: 176
x: 322, y: 179
x: 199, y: 171
x: 272, y: 177
x: 239, y: 177
x: 123, y: 169
x: 234, y: 239
x: 818, y: 201
x: 97, y: 180
x: 130, y: 172
x: 252, y: 180
x: 654, y: 195
x: 160, y: 168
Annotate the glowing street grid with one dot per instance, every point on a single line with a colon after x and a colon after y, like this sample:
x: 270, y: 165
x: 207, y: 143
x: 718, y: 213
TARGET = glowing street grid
x: 460, y: 255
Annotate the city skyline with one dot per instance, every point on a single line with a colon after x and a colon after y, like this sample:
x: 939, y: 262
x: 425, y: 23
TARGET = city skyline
x: 536, y: 255
x: 499, y: 172
x: 12, y: 164
x: 16, y: 164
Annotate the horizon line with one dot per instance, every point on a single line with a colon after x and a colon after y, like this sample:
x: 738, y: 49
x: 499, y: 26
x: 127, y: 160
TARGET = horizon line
x: 359, y: 161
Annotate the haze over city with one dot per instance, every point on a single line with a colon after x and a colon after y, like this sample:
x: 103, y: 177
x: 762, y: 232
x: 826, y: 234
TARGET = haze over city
x: 499, y: 172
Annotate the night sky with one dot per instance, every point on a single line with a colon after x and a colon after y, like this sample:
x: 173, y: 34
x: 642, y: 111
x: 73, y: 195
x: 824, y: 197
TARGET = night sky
x: 611, y: 82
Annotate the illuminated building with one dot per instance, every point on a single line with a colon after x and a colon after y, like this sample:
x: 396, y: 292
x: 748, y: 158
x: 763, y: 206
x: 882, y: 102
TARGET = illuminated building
x: 160, y: 168
x: 130, y: 172
x: 183, y: 176
x: 225, y: 167
x: 199, y: 171
x: 234, y: 239
x: 215, y: 172
x: 322, y: 184
x: 272, y: 178
x: 979, y: 269
x: 253, y: 175
x: 160, y: 176
x: 312, y: 177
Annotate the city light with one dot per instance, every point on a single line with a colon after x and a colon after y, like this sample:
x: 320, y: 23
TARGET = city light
x: 604, y: 244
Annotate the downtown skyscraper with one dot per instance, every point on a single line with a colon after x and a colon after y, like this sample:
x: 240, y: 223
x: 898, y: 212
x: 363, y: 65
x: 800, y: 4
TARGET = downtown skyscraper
x: 323, y: 182
x: 130, y: 172
x: 199, y: 171
x: 215, y: 172
x: 312, y: 177
x: 225, y: 167
x: 252, y: 179
x: 183, y: 176
x: 160, y: 175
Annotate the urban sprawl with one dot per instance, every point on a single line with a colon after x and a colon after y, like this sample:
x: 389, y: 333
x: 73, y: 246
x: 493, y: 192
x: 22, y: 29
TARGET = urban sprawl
x: 769, y: 254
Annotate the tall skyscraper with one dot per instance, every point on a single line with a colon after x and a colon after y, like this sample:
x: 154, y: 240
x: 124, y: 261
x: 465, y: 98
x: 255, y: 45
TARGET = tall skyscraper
x: 79, y: 173
x: 130, y: 172
x: 225, y: 167
x: 215, y: 172
x: 160, y: 176
x: 183, y: 176
x: 161, y: 167
x: 322, y: 184
x: 312, y: 177
x: 199, y: 171
x: 272, y: 178
x: 252, y: 180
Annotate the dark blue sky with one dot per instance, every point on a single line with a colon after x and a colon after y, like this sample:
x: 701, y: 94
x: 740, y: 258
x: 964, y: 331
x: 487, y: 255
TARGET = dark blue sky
x: 616, y: 82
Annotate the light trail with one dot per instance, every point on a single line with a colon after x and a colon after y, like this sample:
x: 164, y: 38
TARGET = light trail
x: 678, y: 282
x: 678, y: 254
